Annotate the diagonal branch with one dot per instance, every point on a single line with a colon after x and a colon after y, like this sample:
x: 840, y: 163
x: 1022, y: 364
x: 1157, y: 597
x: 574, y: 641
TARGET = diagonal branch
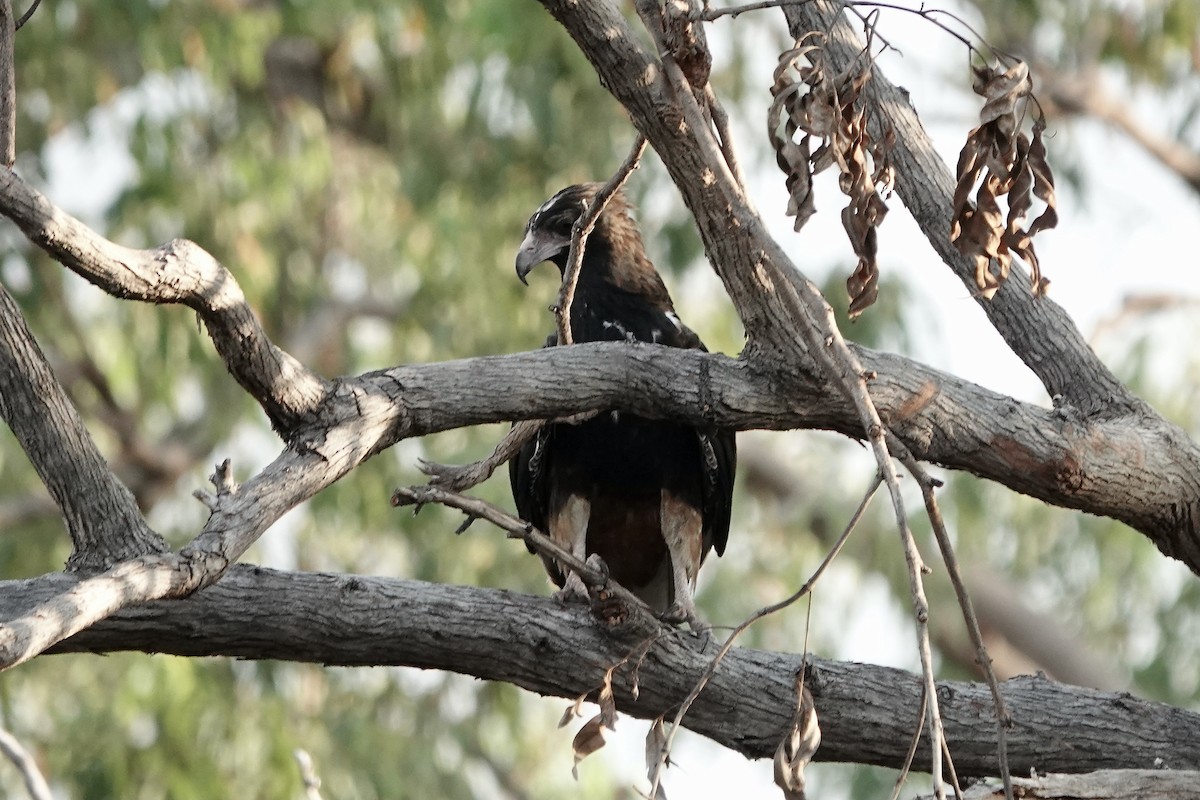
x: 35, y: 782
x: 176, y: 272
x: 101, y: 515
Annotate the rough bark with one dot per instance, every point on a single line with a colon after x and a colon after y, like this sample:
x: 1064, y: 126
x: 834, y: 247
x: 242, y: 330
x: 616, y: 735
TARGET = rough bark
x: 866, y: 712
x: 1125, y: 784
x: 101, y: 515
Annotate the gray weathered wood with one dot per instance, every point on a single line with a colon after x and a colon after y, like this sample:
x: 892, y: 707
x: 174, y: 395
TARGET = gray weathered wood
x: 866, y: 712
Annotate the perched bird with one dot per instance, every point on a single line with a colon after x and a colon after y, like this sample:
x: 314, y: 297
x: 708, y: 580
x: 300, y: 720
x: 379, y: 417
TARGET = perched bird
x: 650, y: 497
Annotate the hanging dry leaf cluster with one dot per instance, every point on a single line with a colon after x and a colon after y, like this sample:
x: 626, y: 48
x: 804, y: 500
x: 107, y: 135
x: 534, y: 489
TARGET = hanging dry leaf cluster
x: 814, y: 103
x: 1000, y: 161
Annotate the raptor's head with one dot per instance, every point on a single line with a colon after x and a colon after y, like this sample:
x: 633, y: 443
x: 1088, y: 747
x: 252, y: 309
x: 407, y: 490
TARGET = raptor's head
x: 548, y: 232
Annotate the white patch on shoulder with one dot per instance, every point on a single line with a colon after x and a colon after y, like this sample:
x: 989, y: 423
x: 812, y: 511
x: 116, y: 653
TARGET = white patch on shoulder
x: 675, y: 321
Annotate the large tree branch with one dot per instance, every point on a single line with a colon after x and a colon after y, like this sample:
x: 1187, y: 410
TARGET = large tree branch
x: 866, y: 712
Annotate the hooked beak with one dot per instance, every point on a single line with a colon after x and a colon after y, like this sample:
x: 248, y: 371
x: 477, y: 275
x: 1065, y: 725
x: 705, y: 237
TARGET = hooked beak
x: 536, y: 247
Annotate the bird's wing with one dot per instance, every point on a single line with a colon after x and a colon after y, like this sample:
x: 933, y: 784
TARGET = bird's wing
x: 528, y: 474
x: 718, y: 450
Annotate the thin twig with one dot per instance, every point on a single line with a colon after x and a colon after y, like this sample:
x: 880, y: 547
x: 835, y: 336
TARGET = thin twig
x: 756, y: 616
x: 912, y: 559
x: 25, y: 17
x: 958, y: 794
x: 712, y: 14
x: 720, y: 120
x: 516, y: 528
x: 579, y: 236
x: 458, y: 478
x: 35, y: 782
x: 1003, y: 719
x: 912, y: 748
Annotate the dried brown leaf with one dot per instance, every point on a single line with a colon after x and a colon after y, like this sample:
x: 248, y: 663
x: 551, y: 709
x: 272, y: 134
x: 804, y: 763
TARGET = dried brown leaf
x: 1043, y: 181
x: 656, y: 755
x: 1003, y: 92
x: 798, y: 747
x: 827, y: 106
x: 574, y: 710
x: 608, y: 705
x: 999, y: 162
x: 589, y: 739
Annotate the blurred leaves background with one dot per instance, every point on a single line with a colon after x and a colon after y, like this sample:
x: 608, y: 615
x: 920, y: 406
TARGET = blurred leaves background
x: 365, y: 170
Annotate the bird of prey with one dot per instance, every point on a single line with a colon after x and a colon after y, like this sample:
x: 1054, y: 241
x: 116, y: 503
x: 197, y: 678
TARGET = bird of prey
x: 650, y: 497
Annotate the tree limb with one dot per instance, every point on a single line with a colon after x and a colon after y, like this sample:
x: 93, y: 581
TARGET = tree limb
x: 176, y: 272
x: 102, y: 518
x: 538, y: 644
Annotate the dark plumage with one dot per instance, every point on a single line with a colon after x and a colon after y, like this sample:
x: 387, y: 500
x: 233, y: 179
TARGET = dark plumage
x: 650, y: 497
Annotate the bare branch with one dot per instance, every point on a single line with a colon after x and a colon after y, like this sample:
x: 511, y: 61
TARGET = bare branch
x: 517, y: 528
x: 8, y: 86
x: 865, y: 711
x: 1003, y: 719
x: 1111, y: 784
x: 308, y: 774
x: 101, y: 514
x: 28, y: 14
x: 177, y: 272
x: 456, y: 478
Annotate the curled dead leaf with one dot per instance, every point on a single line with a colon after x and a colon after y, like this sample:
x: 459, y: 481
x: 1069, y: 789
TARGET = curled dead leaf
x: 608, y: 705
x: 798, y: 746
x: 999, y: 162
x: 657, y: 757
x: 811, y: 102
x: 589, y: 739
x: 574, y: 710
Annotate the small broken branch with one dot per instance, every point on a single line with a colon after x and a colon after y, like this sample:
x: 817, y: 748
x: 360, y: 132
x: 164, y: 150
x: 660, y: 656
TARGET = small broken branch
x: 517, y: 528
x: 460, y: 478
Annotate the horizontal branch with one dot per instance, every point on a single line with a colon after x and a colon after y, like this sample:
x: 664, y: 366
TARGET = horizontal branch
x: 536, y: 643
x: 1136, y: 469
x: 1123, y: 784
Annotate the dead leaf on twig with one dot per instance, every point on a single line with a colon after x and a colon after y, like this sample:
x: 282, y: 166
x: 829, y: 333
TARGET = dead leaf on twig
x: 811, y: 103
x: 590, y: 737
x: 656, y: 757
x: 998, y: 161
